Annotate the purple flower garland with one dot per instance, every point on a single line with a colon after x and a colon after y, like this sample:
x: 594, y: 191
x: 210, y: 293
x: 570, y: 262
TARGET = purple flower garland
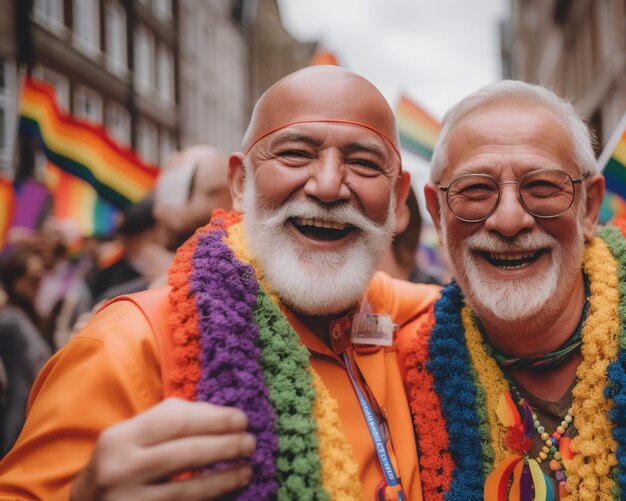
x: 225, y: 291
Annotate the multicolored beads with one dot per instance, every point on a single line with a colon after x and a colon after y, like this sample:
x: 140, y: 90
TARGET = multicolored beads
x: 550, y: 450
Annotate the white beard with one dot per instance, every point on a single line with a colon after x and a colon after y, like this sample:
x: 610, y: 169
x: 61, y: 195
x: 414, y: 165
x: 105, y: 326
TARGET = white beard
x: 313, y: 282
x: 519, y: 299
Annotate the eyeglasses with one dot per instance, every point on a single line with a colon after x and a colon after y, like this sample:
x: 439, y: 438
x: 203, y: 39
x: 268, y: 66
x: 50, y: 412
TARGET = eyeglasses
x: 544, y: 193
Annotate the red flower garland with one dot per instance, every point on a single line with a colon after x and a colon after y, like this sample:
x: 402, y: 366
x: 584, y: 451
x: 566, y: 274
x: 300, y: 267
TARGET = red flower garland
x: 435, y: 461
x: 184, y: 318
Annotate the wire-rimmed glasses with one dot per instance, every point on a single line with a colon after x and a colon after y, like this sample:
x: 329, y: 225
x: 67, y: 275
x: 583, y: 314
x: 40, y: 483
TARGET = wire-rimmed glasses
x: 544, y: 193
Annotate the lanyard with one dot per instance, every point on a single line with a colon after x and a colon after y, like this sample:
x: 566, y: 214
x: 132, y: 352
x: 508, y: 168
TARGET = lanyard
x: 379, y: 444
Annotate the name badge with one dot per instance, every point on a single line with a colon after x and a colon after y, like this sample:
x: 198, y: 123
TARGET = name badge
x: 373, y: 329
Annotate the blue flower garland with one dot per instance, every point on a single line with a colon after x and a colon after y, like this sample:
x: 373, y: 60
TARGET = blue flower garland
x: 454, y: 383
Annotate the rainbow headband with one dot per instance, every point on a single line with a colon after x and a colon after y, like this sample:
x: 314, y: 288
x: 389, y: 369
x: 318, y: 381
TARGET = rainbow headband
x: 234, y: 347
x: 327, y: 120
x: 454, y: 386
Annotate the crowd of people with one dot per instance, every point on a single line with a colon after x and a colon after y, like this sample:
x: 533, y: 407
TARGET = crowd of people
x: 52, y: 280
x: 261, y: 353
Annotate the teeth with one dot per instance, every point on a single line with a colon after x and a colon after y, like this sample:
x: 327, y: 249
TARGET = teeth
x: 511, y: 257
x: 319, y: 224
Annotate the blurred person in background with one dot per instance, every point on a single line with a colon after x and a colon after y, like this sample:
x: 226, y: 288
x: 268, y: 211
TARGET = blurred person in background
x: 400, y: 260
x: 23, y: 349
x: 192, y: 185
x: 140, y: 259
x: 63, y: 294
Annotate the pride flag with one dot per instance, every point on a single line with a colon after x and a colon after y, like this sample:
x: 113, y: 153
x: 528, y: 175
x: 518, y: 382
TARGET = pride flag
x: 83, y: 149
x: 323, y: 57
x: 73, y: 198
x: 7, y: 208
x: 418, y: 130
x: 32, y: 200
x: 612, y: 163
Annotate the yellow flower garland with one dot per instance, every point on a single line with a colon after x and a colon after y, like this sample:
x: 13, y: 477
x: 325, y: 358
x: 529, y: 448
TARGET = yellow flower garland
x: 490, y: 378
x: 589, y: 472
x: 340, y: 473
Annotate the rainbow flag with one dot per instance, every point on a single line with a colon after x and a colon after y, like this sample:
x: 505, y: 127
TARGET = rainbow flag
x: 73, y: 198
x: 612, y: 163
x: 83, y: 149
x: 323, y: 57
x: 418, y: 130
x: 7, y: 208
x: 32, y: 200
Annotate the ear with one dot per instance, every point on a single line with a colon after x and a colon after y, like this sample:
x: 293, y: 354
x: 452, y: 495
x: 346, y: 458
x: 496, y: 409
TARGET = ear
x: 595, y: 193
x: 403, y: 185
x: 236, y: 180
x: 431, y: 197
x: 402, y: 221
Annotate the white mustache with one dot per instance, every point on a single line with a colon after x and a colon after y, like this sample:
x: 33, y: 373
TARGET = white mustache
x: 526, y: 242
x: 343, y: 214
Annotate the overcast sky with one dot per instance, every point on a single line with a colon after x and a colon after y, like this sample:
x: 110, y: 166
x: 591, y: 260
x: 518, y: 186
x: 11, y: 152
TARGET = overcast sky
x: 434, y: 51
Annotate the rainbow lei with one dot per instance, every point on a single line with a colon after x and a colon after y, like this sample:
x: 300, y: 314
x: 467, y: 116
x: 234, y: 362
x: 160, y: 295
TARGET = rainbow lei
x: 235, y: 347
x: 450, y: 369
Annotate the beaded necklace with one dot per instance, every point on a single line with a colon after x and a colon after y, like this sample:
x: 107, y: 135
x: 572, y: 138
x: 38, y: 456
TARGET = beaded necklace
x: 234, y: 347
x: 547, y: 361
x: 556, y: 449
x: 450, y: 371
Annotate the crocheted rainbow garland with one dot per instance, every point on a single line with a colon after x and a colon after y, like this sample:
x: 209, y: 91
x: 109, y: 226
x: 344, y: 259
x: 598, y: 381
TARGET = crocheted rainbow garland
x: 454, y: 386
x: 235, y: 347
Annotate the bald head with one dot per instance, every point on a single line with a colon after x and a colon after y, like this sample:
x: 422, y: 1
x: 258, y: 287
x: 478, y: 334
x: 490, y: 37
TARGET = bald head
x: 192, y: 185
x: 321, y: 94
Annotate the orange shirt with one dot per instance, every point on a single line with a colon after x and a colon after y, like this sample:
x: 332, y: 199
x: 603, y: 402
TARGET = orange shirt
x: 111, y: 371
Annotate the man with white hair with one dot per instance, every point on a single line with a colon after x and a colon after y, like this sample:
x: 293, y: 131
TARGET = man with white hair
x: 281, y: 352
x: 521, y: 364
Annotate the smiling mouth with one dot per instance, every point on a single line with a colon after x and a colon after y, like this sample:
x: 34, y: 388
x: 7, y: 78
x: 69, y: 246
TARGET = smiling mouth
x: 322, y: 230
x: 513, y: 260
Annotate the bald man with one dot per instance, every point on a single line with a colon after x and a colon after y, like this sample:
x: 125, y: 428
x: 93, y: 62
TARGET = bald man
x: 192, y: 185
x: 268, y: 369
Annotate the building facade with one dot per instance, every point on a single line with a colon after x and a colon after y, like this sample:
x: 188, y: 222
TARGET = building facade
x: 111, y: 62
x: 213, y: 74
x: 230, y: 53
x: 157, y: 74
x: 577, y: 48
x: 8, y: 88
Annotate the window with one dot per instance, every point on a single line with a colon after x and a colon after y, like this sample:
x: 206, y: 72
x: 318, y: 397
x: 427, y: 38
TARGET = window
x: 162, y: 9
x: 60, y: 84
x: 118, y: 123
x: 165, y: 74
x: 147, y: 141
x: 115, y: 34
x: 7, y: 114
x: 87, y: 25
x: 166, y: 146
x: 49, y: 13
x: 189, y: 36
x: 144, y: 59
x: 88, y: 104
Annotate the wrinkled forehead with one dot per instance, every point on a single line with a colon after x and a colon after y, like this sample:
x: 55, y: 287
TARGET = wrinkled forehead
x: 331, y: 96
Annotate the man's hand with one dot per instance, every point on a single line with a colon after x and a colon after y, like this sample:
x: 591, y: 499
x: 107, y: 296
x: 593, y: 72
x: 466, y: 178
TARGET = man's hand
x: 136, y: 459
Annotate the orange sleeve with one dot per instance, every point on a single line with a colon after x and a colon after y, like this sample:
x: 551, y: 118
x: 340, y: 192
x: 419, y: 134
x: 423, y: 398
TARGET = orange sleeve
x: 404, y: 301
x: 92, y: 383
